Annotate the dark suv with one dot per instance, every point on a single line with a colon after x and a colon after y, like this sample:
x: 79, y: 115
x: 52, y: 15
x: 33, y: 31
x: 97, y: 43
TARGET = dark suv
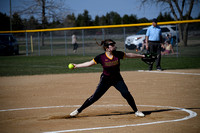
x: 8, y: 45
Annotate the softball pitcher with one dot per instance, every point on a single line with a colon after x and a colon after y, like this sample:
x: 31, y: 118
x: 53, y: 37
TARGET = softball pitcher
x: 110, y: 61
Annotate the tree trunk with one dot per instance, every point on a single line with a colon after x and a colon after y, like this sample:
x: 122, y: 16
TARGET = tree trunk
x: 180, y: 33
x: 185, y: 34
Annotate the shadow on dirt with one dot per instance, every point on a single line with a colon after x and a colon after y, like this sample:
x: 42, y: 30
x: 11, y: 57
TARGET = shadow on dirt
x: 116, y: 113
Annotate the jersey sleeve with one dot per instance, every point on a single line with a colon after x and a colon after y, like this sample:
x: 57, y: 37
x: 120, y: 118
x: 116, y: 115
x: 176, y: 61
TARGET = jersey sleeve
x: 97, y: 59
x: 119, y: 54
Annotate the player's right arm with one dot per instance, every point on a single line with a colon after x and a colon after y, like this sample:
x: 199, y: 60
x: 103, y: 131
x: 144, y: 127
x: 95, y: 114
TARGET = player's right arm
x: 147, y: 38
x: 85, y: 64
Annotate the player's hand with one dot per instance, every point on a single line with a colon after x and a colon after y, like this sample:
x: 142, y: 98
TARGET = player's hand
x: 75, y: 66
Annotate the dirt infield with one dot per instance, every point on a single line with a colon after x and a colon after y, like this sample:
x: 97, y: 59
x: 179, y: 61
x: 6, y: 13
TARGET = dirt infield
x: 37, y: 104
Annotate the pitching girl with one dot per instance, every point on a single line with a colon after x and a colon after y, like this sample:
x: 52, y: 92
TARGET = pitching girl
x: 110, y: 61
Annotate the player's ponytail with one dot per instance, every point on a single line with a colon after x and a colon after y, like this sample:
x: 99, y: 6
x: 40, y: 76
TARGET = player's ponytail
x: 102, y: 44
x: 105, y: 43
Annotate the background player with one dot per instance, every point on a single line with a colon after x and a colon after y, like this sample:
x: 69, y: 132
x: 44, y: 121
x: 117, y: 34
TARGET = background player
x: 110, y: 61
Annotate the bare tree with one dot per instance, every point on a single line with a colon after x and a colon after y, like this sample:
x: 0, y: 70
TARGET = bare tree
x: 181, y: 10
x: 44, y: 10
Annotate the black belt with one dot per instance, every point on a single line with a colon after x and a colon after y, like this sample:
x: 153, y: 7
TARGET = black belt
x: 155, y: 41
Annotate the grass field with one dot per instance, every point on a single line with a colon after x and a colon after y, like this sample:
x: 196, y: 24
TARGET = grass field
x: 188, y: 58
x: 34, y: 65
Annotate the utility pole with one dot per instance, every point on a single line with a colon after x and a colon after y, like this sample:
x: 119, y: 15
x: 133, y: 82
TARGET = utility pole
x: 10, y: 16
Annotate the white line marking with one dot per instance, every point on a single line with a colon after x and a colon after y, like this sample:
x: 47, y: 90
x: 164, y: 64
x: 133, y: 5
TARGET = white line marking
x: 64, y: 106
x: 49, y: 107
x: 170, y: 72
x: 191, y: 115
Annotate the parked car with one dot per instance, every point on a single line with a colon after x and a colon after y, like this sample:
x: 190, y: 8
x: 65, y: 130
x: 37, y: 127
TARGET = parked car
x: 135, y: 41
x: 8, y: 45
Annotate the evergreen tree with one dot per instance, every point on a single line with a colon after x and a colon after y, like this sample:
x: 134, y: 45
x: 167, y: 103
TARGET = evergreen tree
x: 133, y: 19
x: 70, y: 20
x: 32, y: 23
x: 17, y: 23
x: 143, y: 20
x: 84, y: 19
x: 96, y: 21
x: 102, y: 20
x: 125, y: 19
x: 4, y: 22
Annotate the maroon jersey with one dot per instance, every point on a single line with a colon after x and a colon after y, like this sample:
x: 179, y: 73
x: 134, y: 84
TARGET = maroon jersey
x: 111, y: 67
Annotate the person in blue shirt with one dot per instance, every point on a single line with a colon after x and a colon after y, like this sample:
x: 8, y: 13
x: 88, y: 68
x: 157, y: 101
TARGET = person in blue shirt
x: 153, y: 42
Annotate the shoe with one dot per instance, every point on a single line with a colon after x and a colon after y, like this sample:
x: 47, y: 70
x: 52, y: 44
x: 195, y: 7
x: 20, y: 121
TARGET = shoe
x: 159, y: 69
x: 74, y: 113
x: 139, y: 114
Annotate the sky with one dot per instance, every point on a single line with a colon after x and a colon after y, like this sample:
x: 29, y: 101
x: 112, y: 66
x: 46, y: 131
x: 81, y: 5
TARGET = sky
x: 101, y: 7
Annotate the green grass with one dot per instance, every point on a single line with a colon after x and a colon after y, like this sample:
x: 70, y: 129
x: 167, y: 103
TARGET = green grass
x: 34, y: 65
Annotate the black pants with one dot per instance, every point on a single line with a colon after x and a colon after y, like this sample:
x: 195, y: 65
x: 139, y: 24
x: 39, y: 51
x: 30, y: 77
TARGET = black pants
x: 75, y: 46
x: 104, y: 85
x: 155, y: 48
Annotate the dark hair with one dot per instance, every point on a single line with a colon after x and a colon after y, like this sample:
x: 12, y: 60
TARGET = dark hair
x: 168, y: 41
x: 155, y: 20
x: 105, y: 44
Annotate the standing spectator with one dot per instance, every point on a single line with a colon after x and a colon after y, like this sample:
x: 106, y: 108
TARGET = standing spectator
x: 166, y: 38
x: 74, y: 42
x: 153, y: 40
x: 171, y: 39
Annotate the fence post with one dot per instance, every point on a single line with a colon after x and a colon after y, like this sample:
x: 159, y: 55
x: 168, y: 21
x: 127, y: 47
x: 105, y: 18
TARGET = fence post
x: 39, y: 43
x: 26, y: 44
x: 65, y: 34
x: 176, y: 40
x: 51, y: 43
x: 103, y: 34
x: 83, y: 43
x: 124, y: 38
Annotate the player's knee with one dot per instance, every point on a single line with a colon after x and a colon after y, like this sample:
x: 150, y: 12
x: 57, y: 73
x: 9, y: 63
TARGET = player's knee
x: 126, y: 94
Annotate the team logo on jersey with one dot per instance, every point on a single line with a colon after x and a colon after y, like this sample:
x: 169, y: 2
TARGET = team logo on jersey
x: 112, y: 63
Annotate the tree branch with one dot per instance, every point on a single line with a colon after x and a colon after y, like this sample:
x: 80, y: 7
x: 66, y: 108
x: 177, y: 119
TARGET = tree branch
x: 182, y: 8
x: 179, y: 10
x: 172, y: 9
x: 190, y: 9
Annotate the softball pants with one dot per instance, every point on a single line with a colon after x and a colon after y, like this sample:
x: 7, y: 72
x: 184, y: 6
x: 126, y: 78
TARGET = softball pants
x: 103, y: 86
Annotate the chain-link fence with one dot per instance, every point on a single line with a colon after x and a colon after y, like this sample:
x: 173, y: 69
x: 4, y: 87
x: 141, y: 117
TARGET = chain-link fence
x: 53, y: 43
x: 60, y: 42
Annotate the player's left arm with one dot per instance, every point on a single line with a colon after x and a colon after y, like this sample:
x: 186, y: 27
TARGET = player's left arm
x: 132, y: 55
x: 161, y: 38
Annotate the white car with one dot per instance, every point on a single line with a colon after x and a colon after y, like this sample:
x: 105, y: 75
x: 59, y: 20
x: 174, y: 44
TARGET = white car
x: 135, y: 41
